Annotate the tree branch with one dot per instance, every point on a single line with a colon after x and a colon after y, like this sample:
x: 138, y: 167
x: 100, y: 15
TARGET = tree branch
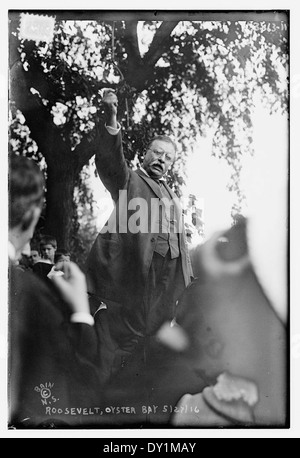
x: 132, y: 45
x: 85, y: 151
x: 140, y: 70
x: 159, y: 43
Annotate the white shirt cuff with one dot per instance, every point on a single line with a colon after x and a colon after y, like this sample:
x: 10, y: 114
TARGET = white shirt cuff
x: 82, y: 317
x: 113, y: 130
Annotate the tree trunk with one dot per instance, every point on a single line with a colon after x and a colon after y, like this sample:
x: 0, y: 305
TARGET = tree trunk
x: 59, y: 208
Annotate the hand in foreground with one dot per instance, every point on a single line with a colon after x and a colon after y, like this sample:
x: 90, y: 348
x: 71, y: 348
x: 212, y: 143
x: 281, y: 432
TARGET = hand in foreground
x: 110, y: 103
x: 72, y: 287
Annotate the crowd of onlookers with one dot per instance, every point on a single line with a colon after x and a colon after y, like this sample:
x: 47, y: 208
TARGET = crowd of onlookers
x: 44, y: 258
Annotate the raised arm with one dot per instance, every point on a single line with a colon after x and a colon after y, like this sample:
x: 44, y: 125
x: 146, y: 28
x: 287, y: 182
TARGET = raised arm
x: 110, y: 102
x: 110, y: 161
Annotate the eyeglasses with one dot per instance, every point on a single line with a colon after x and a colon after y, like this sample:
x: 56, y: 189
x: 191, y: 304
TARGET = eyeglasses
x: 169, y: 157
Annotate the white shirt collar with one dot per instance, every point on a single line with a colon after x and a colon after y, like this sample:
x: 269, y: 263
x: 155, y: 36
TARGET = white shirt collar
x: 143, y: 170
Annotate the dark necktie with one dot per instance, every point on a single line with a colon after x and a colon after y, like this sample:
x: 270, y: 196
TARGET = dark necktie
x: 159, y: 182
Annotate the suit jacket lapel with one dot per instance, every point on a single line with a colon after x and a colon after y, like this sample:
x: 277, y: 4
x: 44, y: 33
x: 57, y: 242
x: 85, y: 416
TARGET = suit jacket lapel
x: 156, y: 189
x: 176, y: 200
x: 172, y: 193
x: 154, y: 186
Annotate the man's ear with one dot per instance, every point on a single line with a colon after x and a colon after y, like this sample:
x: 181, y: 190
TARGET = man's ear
x: 30, y: 218
x: 26, y: 249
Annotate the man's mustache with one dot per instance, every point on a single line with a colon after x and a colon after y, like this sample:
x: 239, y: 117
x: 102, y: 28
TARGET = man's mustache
x: 157, y: 164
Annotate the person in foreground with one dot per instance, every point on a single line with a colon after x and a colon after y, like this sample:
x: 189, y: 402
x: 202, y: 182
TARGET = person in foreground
x: 52, y: 339
x: 234, y: 335
x: 222, y: 362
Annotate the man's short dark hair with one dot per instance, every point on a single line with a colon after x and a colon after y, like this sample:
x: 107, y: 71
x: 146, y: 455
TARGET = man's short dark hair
x: 61, y: 252
x: 35, y: 247
x: 25, y: 188
x: 48, y: 240
x: 162, y: 138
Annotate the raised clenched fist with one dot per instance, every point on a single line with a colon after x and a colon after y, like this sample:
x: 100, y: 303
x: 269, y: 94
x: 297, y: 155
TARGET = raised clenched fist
x: 110, y: 102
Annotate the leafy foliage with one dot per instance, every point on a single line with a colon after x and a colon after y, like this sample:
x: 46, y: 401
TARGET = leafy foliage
x: 177, y: 78
x: 20, y: 140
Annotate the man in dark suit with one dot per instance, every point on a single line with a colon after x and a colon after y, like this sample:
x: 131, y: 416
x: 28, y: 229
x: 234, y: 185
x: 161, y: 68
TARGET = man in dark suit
x: 52, y: 340
x: 139, y: 263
